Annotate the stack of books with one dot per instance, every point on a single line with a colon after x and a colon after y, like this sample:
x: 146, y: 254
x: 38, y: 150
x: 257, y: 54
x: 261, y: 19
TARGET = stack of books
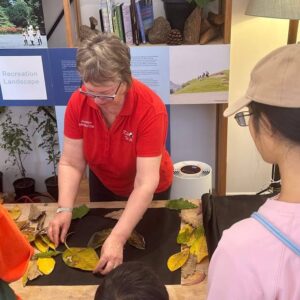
x: 129, y: 20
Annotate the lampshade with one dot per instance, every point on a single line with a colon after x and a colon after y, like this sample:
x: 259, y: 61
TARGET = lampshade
x: 281, y: 9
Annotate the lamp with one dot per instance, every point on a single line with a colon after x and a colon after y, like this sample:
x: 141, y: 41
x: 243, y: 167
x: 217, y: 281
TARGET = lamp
x: 279, y: 9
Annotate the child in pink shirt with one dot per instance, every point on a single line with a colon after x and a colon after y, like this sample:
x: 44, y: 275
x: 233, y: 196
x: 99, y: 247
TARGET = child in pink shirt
x: 259, y: 257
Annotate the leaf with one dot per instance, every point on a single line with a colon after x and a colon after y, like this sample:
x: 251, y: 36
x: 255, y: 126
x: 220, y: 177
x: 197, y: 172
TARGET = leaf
x: 49, y: 253
x: 34, y: 213
x: 79, y: 212
x: 15, y: 212
x: 31, y: 273
x: 116, y: 214
x: 46, y: 265
x: 185, y: 234
x: 98, y: 238
x: 47, y: 241
x: 40, y: 244
x: 194, y: 279
x: 81, y: 258
x: 177, y: 260
x: 178, y: 204
x: 22, y: 225
x: 137, y: 240
x: 199, y: 248
x: 29, y: 234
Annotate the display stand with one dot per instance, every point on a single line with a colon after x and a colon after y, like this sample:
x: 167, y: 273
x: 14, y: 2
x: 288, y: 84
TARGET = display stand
x: 221, y: 134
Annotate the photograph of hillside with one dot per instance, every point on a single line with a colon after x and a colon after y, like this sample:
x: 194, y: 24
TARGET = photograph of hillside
x: 22, y: 24
x: 201, y: 80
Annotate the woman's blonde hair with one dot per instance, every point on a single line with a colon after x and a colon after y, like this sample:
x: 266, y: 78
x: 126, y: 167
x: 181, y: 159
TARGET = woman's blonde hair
x: 103, y: 58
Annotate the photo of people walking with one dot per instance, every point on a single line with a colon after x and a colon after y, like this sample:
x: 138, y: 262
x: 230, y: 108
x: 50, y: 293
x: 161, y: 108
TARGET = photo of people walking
x: 22, y: 24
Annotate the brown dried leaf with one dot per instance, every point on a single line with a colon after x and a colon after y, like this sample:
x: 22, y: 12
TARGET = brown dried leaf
x: 137, y: 240
x: 23, y: 224
x: 29, y: 234
x: 34, y: 213
x: 116, y: 214
x: 98, y: 238
x: 194, y: 279
x: 190, y: 266
x: 41, y: 221
x: 191, y: 216
x: 31, y: 273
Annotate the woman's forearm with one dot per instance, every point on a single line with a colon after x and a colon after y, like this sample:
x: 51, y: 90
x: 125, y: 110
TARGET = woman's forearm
x: 69, y: 178
x: 136, y: 206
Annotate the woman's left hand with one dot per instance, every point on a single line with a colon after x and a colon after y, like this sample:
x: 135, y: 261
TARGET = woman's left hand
x: 111, y: 255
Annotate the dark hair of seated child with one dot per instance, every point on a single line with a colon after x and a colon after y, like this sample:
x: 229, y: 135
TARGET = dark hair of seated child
x: 132, y: 281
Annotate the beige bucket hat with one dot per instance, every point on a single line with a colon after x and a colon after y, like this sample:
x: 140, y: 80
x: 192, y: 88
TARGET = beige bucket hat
x: 275, y: 80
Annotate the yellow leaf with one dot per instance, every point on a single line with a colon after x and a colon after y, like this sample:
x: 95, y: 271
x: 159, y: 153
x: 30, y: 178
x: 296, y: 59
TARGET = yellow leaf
x: 199, y: 248
x: 41, y: 245
x: 47, y: 241
x: 46, y: 265
x: 185, y: 234
x: 31, y: 273
x: 15, y: 212
x: 177, y: 260
x: 81, y: 258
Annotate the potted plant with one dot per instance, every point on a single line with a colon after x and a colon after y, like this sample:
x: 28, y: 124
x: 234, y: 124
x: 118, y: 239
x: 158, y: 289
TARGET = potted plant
x: 16, y: 141
x: 44, y: 118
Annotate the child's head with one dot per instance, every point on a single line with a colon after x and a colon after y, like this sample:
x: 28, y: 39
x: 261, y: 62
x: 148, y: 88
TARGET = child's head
x: 273, y: 101
x: 131, y: 281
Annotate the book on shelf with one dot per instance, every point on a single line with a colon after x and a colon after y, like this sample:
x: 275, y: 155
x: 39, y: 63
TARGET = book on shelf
x: 140, y: 21
x: 127, y: 23
x: 101, y: 20
x: 147, y: 13
x: 134, y: 23
x: 106, y: 11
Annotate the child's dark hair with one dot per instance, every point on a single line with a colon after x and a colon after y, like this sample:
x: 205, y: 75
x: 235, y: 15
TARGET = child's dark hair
x: 284, y: 120
x: 132, y: 281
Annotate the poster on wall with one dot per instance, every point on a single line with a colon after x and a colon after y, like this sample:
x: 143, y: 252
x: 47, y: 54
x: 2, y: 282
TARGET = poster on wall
x: 22, y: 24
x: 199, y: 74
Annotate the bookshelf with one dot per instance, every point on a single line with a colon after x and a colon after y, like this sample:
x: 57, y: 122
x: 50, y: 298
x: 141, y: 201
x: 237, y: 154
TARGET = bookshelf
x: 225, y: 7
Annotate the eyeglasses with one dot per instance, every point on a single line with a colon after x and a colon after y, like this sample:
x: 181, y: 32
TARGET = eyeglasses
x: 98, y: 96
x: 242, y: 118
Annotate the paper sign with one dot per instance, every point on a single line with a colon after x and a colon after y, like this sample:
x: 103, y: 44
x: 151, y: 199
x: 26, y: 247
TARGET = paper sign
x: 22, y: 78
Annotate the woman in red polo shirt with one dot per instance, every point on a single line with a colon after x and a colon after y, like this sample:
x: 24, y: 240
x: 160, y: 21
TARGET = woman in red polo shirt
x: 117, y: 126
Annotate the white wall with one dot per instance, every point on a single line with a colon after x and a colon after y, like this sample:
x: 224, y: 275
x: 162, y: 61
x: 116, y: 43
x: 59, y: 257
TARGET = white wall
x: 251, y: 39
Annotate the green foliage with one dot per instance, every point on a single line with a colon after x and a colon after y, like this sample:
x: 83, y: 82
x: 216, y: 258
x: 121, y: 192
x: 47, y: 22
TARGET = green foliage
x: 4, y: 3
x: 44, y: 118
x: 80, y: 211
x: 36, y: 16
x: 19, y: 13
x: 178, y: 204
x: 200, y: 3
x: 4, y: 19
x: 16, y: 141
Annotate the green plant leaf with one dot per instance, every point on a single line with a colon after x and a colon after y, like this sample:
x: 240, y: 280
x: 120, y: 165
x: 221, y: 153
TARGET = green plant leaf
x: 79, y: 212
x: 178, y: 204
x: 98, y: 238
x: 47, y: 254
x: 185, y: 234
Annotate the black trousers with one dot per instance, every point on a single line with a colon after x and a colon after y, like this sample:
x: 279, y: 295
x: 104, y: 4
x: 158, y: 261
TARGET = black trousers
x: 99, y: 192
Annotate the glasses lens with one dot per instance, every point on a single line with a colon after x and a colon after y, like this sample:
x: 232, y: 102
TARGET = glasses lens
x: 240, y: 118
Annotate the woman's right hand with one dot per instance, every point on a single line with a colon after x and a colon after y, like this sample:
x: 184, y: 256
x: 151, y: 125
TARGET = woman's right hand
x: 58, y: 227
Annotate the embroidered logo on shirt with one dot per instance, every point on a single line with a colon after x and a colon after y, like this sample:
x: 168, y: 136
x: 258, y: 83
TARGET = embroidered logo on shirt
x: 128, y: 135
x: 87, y: 124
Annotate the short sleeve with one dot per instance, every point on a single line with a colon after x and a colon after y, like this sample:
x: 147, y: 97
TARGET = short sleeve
x: 152, y: 134
x: 72, y: 114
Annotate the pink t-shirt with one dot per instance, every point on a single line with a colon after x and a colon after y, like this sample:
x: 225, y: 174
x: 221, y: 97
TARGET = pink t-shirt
x: 251, y: 263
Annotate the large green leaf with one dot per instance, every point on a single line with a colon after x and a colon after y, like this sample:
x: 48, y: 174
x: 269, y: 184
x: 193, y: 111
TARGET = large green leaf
x: 178, y: 204
x: 79, y: 212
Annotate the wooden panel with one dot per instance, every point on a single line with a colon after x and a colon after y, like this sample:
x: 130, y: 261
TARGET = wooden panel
x: 293, y: 32
x: 68, y: 22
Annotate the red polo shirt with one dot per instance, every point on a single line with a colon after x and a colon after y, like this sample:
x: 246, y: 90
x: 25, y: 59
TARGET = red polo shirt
x: 139, y: 130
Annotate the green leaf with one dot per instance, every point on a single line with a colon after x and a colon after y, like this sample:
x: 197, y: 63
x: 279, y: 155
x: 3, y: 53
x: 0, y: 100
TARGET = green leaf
x: 50, y: 253
x: 98, y: 238
x: 80, y: 211
x: 178, y: 204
